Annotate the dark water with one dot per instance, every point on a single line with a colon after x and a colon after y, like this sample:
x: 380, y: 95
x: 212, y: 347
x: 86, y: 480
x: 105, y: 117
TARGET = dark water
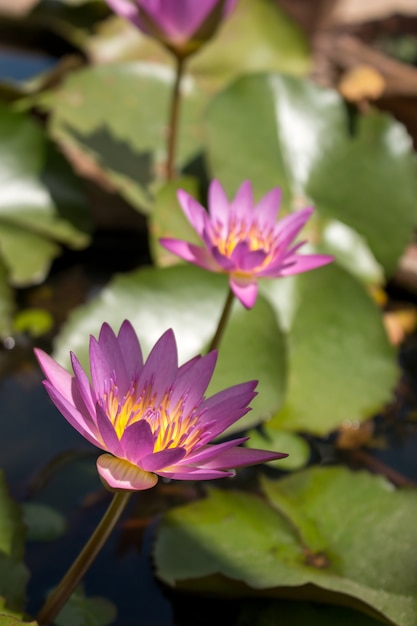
x: 18, y: 66
x: 46, y: 461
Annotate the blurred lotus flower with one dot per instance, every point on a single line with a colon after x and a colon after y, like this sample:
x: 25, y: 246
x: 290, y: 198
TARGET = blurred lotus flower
x: 183, y: 26
x: 151, y: 417
x: 244, y: 240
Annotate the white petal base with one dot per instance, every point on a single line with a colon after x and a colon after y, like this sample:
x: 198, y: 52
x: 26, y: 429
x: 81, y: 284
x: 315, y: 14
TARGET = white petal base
x: 120, y: 475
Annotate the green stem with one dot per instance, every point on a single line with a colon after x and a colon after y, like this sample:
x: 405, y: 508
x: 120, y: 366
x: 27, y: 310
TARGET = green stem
x: 72, y: 578
x: 222, y: 322
x: 174, y: 119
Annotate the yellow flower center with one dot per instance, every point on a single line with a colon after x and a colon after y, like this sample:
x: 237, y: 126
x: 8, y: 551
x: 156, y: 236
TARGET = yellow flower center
x: 168, y: 423
x: 238, y: 231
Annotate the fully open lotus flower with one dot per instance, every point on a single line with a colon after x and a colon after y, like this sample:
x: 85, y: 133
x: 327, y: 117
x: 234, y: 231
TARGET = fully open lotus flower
x: 244, y: 240
x: 151, y: 417
x: 181, y: 25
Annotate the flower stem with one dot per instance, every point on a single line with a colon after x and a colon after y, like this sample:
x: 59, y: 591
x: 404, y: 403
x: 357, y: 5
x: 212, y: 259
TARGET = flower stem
x: 222, y: 322
x: 174, y: 118
x: 71, y: 579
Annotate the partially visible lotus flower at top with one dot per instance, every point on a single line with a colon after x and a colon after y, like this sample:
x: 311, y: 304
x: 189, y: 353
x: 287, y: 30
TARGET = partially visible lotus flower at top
x: 151, y: 418
x: 183, y: 26
x: 245, y: 240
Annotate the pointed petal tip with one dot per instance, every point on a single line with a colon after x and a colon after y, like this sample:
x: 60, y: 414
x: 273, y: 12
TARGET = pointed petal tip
x: 245, y: 291
x: 126, y: 326
x: 182, y: 196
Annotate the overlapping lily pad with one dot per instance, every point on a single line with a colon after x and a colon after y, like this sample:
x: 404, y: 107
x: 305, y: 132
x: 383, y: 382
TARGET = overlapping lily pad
x: 125, y: 135
x: 300, y: 613
x: 42, y: 206
x: 13, y: 573
x: 307, y: 541
x: 83, y: 611
x: 341, y: 365
x: 282, y: 131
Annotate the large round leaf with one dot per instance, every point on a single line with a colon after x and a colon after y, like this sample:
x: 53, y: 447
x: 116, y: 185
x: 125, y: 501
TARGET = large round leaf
x: 41, y: 203
x: 190, y: 301
x: 300, y: 614
x: 13, y: 573
x: 6, y: 303
x: 83, y: 611
x: 125, y: 134
x: 280, y: 130
x: 327, y: 534
x: 341, y: 366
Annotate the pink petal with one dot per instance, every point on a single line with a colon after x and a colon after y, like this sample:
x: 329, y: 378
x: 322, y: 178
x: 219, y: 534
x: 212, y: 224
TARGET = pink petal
x: 224, y: 408
x: 108, y: 433
x: 192, y: 473
x: 246, y: 259
x: 190, y: 252
x: 187, y: 365
x: 101, y: 371
x: 207, y: 453
x: 125, y: 9
x: 114, y: 359
x: 289, y: 226
x: 137, y: 441
x: 219, y: 206
x: 73, y: 416
x: 164, y: 458
x: 306, y: 262
x: 245, y: 290
x: 84, y: 387
x: 131, y: 350
x: 268, y: 207
x: 178, y: 20
x: 161, y: 367
x: 194, y: 212
x: 192, y: 383
x: 243, y: 204
x: 224, y: 263
x: 120, y: 475
x: 56, y: 375
x: 240, y: 457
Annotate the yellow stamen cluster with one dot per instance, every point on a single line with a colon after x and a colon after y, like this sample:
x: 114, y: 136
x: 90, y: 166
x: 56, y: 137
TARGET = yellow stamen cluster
x: 168, y: 423
x: 238, y: 231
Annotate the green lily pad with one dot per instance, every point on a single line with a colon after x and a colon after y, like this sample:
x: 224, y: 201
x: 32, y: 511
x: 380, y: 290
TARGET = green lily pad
x: 257, y: 36
x: 190, y: 301
x: 83, y: 611
x: 41, y: 204
x: 282, y: 131
x: 42, y: 522
x: 341, y: 365
x: 12, y: 618
x: 12, y: 531
x: 326, y: 534
x: 275, y: 440
x: 13, y: 573
x: 125, y: 135
x: 6, y: 303
x: 298, y: 613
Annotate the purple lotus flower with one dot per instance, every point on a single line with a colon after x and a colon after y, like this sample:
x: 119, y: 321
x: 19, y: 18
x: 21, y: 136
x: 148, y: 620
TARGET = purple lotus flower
x: 181, y: 25
x: 151, y: 417
x: 244, y: 240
